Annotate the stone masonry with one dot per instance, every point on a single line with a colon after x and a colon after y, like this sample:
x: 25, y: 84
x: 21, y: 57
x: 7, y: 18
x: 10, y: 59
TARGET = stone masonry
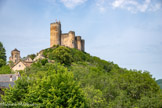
x: 65, y: 39
x: 15, y: 56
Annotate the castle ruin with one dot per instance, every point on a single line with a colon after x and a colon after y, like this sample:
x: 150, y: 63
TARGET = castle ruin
x: 65, y: 39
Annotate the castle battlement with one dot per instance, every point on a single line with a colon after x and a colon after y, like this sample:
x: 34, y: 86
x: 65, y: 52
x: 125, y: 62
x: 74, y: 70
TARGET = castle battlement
x: 65, y: 39
x: 72, y: 32
x: 78, y: 37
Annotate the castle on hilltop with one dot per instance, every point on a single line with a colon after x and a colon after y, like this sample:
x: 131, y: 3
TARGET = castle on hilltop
x: 56, y: 38
x: 65, y: 39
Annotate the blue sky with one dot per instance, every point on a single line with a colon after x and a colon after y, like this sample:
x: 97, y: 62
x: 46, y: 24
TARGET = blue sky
x: 127, y: 32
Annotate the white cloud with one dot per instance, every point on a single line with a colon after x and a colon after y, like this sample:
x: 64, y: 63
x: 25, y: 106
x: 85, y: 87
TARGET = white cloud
x: 72, y: 3
x: 130, y: 5
x: 136, y: 6
x: 155, y: 7
x: 100, y: 5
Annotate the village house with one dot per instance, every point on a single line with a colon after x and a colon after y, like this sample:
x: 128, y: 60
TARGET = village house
x: 19, y: 64
x: 6, y: 80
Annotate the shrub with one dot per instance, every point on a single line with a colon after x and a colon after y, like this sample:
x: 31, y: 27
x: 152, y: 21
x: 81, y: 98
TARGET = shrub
x: 63, y: 55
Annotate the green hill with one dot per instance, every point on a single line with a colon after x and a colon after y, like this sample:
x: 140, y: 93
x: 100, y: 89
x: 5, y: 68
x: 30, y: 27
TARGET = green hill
x: 159, y: 82
x: 72, y: 78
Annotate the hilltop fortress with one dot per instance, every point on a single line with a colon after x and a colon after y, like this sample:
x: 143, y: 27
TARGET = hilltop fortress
x: 56, y: 38
x: 65, y: 39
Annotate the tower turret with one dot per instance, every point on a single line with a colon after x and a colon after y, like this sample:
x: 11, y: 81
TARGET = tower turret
x: 15, y: 56
x: 72, y: 43
x: 79, y: 43
x: 55, y: 34
x: 83, y: 43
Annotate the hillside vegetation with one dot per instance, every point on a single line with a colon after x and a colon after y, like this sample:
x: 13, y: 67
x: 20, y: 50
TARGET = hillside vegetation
x: 159, y: 82
x: 76, y: 79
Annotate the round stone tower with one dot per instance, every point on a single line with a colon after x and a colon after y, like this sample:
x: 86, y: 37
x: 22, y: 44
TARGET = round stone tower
x: 15, y: 56
x: 79, y: 43
x: 72, y: 42
x: 83, y: 43
x: 55, y: 34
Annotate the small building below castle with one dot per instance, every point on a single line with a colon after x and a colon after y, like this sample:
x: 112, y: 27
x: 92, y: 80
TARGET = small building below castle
x: 18, y: 63
x: 6, y: 80
x: 22, y: 63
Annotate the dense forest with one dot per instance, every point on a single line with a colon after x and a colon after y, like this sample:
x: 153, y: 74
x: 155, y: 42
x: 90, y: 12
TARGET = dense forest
x: 72, y: 78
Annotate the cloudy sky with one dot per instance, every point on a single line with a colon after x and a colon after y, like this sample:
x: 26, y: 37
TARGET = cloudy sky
x: 127, y: 32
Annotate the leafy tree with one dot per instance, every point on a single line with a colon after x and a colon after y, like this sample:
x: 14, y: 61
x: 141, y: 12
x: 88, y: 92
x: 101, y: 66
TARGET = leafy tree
x: 48, y: 52
x: 72, y: 54
x: 2, y: 55
x: 5, y: 69
x: 119, y: 88
x: 2, y: 52
x: 2, y: 62
x: 32, y: 56
x: 17, y: 93
x: 62, y: 54
x: 95, y: 97
x: 41, y: 62
x: 54, y: 87
x: 137, y: 84
x: 86, y: 81
x: 11, y: 63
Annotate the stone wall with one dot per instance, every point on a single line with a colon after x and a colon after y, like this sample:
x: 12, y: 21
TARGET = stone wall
x: 65, y: 39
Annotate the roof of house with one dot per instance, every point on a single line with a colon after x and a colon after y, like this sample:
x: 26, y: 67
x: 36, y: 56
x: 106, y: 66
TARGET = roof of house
x: 5, y: 80
x: 18, y: 62
x: 6, y: 77
x: 25, y: 63
x: 25, y: 58
x: 6, y: 84
x: 16, y: 50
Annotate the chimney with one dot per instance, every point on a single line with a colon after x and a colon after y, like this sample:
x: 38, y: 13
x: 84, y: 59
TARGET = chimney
x: 11, y: 78
x: 17, y: 75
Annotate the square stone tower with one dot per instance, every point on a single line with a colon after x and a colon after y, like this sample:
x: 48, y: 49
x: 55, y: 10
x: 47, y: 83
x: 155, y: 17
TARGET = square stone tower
x: 15, y: 56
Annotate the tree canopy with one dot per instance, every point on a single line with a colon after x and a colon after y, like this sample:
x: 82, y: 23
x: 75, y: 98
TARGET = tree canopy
x: 53, y: 88
x: 32, y: 56
x: 76, y: 79
x: 2, y: 55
